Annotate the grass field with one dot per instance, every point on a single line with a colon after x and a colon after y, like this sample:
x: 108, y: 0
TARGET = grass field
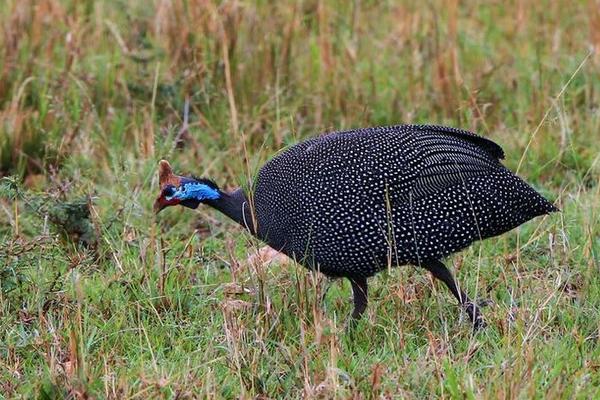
x: 122, y: 304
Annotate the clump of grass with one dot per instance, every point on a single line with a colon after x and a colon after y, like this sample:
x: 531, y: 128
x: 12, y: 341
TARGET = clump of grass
x: 71, y: 217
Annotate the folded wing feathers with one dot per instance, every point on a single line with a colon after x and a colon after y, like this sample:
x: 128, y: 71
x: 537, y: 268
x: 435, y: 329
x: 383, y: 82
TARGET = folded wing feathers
x: 447, y: 161
x: 489, y: 146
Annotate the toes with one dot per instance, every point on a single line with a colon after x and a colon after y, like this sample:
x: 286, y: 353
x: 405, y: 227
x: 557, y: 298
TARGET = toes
x: 351, y: 325
x: 484, y: 302
x: 475, y: 316
x: 479, y: 323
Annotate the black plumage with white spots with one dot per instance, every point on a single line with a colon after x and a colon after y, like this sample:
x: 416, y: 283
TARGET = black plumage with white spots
x: 350, y: 204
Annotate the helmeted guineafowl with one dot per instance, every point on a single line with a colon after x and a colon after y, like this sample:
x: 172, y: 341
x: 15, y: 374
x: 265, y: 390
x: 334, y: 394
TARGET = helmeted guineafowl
x: 349, y: 204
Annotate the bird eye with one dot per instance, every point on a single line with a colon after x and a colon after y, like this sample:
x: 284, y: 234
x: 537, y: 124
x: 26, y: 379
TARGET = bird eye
x: 169, y: 191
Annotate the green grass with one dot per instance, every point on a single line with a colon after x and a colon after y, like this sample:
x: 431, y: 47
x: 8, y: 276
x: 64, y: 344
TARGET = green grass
x: 92, y: 95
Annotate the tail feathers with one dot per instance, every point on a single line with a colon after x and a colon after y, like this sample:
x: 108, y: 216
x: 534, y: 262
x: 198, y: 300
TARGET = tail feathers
x: 539, y: 205
x: 552, y: 208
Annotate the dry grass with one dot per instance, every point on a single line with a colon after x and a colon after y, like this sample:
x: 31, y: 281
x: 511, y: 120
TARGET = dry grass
x: 92, y: 94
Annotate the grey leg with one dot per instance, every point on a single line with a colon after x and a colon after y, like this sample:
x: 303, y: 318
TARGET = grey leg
x: 439, y: 270
x: 359, y: 291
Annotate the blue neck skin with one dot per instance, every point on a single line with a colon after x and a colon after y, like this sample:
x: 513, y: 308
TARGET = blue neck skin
x: 192, y: 190
x: 235, y: 204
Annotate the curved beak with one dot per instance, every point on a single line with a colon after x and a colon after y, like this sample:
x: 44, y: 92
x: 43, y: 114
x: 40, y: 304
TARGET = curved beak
x: 158, y: 206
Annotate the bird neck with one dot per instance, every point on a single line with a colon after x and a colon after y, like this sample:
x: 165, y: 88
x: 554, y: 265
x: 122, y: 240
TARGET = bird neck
x: 236, y: 206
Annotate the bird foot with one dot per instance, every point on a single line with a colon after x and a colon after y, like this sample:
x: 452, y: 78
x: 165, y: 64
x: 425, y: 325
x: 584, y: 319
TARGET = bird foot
x: 475, y: 316
x: 350, y: 325
x: 481, y: 302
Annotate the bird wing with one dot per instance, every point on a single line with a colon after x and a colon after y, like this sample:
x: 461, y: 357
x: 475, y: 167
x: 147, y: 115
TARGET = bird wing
x: 485, y: 144
x: 445, y: 157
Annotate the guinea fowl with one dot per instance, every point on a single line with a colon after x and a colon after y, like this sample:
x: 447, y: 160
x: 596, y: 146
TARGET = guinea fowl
x: 350, y: 204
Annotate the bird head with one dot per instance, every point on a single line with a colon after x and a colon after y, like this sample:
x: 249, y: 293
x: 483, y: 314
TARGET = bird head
x: 186, y: 191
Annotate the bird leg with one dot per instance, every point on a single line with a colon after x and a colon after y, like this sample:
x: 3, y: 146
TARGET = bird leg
x: 439, y: 270
x: 359, y: 291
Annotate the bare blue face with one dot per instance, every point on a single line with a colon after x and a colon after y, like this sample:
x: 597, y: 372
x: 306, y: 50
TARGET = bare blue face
x: 190, y: 193
x: 186, y: 191
x: 191, y: 190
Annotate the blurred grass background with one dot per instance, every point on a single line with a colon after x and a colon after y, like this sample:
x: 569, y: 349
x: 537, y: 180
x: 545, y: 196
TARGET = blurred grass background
x: 94, y: 93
